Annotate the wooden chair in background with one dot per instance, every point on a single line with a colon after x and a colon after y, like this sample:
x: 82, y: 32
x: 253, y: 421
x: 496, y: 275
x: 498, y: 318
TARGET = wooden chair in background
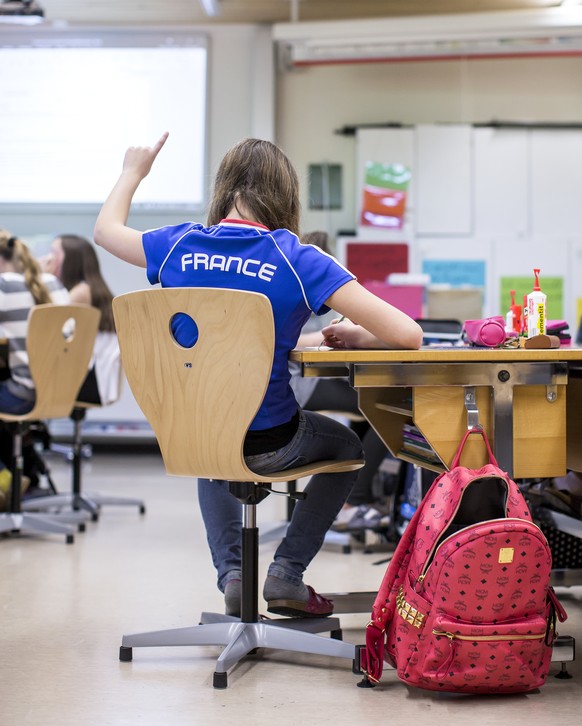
x: 78, y: 500
x: 200, y: 402
x: 59, y: 344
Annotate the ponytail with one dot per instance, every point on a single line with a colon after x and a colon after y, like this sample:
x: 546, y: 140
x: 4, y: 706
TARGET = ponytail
x: 14, y: 250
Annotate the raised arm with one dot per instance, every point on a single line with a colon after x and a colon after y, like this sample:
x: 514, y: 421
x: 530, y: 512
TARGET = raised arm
x: 111, y: 231
x: 372, y: 323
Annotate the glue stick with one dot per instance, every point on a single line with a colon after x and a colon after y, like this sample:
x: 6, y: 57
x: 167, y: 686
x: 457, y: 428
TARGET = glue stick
x: 509, y: 321
x: 536, y: 309
x: 513, y: 316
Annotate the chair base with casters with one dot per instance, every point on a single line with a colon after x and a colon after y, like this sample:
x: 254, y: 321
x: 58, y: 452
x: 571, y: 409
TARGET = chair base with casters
x: 78, y: 501
x: 241, y: 636
x: 40, y: 469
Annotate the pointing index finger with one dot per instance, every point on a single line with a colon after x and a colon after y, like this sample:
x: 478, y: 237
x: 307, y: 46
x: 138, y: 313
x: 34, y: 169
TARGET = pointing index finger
x: 157, y: 148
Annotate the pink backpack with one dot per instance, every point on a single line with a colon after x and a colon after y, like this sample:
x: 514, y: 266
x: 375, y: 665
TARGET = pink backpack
x: 465, y: 605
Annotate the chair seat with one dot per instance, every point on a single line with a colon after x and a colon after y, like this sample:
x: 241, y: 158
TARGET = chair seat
x: 311, y: 469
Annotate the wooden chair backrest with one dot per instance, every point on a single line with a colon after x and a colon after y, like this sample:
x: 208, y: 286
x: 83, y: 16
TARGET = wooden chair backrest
x: 199, y: 401
x: 59, y: 343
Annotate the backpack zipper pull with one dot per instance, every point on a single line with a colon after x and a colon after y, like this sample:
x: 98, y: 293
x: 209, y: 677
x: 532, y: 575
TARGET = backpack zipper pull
x: 444, y: 633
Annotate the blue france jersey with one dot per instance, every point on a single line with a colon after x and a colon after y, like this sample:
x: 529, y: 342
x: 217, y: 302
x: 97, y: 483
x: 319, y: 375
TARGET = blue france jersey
x: 296, y: 278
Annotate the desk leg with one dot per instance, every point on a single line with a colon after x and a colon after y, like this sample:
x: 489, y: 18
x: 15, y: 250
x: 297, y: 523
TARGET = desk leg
x: 503, y: 426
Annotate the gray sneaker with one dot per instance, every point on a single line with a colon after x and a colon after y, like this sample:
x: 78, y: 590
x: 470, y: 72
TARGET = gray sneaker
x: 232, y: 595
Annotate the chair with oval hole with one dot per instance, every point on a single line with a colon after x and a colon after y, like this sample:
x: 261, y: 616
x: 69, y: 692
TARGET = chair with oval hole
x: 200, y: 402
x: 59, y: 343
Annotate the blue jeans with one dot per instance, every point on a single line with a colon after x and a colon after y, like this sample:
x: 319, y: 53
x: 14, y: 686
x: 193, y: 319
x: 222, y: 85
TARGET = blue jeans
x: 318, y: 438
x: 10, y: 403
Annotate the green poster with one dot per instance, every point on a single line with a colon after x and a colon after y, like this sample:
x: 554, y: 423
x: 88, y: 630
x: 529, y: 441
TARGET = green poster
x: 552, y: 286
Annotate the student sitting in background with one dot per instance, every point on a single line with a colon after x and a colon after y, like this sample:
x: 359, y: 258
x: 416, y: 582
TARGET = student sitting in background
x: 364, y: 508
x: 22, y: 285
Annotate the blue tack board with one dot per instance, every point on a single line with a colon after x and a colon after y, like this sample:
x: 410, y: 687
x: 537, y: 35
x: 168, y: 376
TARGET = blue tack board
x: 455, y: 273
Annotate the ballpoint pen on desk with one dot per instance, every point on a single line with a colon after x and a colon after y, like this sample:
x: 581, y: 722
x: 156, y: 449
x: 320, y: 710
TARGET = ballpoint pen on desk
x: 343, y: 317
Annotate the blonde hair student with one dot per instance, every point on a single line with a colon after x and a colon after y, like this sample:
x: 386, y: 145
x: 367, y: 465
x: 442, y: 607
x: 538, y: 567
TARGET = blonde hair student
x: 251, y: 243
x: 22, y: 285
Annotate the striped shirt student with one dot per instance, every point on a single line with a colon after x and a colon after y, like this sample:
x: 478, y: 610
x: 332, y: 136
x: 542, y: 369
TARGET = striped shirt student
x: 22, y: 285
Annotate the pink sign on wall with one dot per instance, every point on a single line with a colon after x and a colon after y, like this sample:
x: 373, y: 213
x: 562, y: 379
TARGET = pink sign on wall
x: 375, y: 261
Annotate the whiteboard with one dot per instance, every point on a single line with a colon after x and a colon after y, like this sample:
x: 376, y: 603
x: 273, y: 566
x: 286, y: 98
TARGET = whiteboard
x: 72, y: 101
x: 556, y: 182
x: 501, y: 181
x: 444, y: 199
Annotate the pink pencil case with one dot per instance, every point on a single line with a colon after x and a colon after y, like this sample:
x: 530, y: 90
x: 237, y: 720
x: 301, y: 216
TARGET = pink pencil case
x: 488, y: 332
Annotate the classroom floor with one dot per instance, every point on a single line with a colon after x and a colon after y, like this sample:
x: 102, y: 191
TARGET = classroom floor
x: 64, y: 609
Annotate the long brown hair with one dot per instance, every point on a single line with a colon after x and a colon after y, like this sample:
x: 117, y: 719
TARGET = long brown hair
x: 81, y: 264
x: 256, y: 177
x: 15, y: 251
x: 318, y: 239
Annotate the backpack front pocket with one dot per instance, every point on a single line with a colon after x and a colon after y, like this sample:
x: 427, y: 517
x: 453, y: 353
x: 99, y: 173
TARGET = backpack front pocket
x: 485, y: 658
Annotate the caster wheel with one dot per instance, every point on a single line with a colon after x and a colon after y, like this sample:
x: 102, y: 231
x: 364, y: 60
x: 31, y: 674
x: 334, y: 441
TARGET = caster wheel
x: 563, y: 673
x: 70, y: 539
x: 142, y: 510
x: 81, y: 527
x: 220, y: 680
x: 336, y: 634
x: 125, y: 654
x: 365, y: 683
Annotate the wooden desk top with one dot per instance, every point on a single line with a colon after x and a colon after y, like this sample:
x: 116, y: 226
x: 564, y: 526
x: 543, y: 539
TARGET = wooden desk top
x: 436, y: 355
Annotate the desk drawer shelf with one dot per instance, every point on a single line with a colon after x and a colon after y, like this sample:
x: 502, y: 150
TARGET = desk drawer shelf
x: 417, y: 461
x: 390, y: 411
x: 401, y: 410
x: 396, y: 400
x: 417, y: 448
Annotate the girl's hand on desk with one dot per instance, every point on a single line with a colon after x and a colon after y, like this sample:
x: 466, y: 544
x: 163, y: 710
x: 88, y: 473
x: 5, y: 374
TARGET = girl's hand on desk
x: 344, y: 334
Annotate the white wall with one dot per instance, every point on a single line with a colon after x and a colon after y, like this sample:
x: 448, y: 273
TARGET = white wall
x: 313, y: 102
